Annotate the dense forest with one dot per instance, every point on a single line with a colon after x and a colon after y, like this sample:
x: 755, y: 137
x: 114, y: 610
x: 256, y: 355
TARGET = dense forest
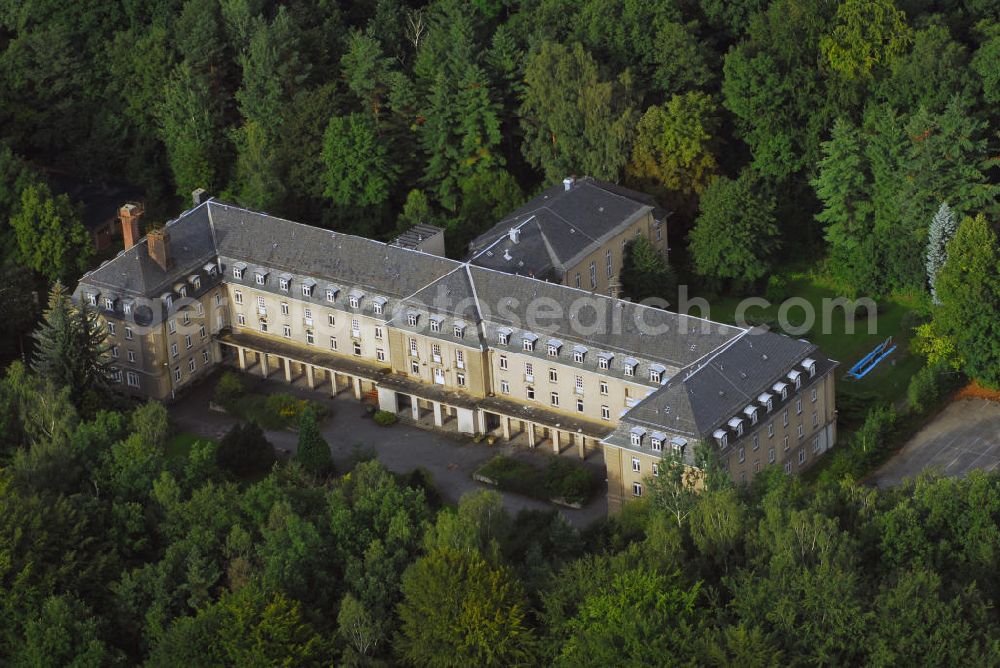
x: 858, y: 136
x: 784, y: 131
x: 116, y: 552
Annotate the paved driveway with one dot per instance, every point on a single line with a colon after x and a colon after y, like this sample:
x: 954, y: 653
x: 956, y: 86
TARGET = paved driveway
x: 965, y: 436
x: 450, y: 458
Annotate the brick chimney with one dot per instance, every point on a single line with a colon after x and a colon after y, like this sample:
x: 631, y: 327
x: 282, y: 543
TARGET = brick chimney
x: 158, y: 247
x: 129, y: 215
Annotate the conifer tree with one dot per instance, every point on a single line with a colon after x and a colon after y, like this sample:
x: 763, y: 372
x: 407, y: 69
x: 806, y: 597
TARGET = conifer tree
x: 313, y: 452
x: 941, y: 231
x: 72, y: 350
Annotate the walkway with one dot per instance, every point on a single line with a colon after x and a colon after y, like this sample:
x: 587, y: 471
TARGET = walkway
x: 450, y: 458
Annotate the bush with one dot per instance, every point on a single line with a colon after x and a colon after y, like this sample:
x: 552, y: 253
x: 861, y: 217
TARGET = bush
x: 560, y: 479
x: 924, y: 389
x: 245, y: 451
x: 385, y: 418
x: 229, y: 390
x: 776, y: 290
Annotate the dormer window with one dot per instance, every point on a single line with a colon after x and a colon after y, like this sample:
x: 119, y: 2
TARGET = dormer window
x: 656, y: 444
x: 721, y: 437
x: 459, y: 330
x: 283, y: 283
x: 503, y: 336
x: 809, y: 365
x: 92, y: 299
x: 604, y: 360
x: 528, y: 342
x: 629, y: 366
x: 656, y: 372
x: 751, y: 412
x: 168, y: 300
x: 435, y: 323
x: 736, y: 424
x: 579, y: 352
x: 355, y: 301
x: 412, y: 319
x: 260, y: 276
x: 553, y: 347
x: 377, y: 308
x: 109, y: 303
x: 127, y: 308
x: 196, y: 282
x: 635, y: 436
x: 331, y: 294
x: 183, y: 291
x: 238, y: 272
x: 796, y: 378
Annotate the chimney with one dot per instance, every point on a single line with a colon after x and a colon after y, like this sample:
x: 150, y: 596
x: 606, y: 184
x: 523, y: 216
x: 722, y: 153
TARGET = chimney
x: 158, y: 247
x: 514, y: 234
x: 198, y: 196
x: 129, y: 215
x: 568, y: 182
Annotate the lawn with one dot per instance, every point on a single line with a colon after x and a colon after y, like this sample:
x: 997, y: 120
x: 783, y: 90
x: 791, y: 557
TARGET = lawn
x: 888, y: 381
x: 178, y: 446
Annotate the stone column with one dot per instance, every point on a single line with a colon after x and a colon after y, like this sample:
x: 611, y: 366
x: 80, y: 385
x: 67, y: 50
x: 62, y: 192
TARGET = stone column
x: 581, y: 444
x: 333, y: 382
x: 531, y: 435
x: 505, y: 423
x: 357, y: 388
x: 241, y: 352
x: 288, y: 370
x: 310, y: 377
x: 415, y: 406
x: 555, y: 440
x: 263, y: 364
x: 438, y: 420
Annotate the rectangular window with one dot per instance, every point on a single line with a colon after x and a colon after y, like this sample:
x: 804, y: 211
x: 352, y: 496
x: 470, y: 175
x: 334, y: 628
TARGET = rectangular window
x: 380, y: 354
x: 578, y: 356
x: 238, y: 297
x: 287, y: 330
x: 604, y: 387
x: 283, y: 283
x: 784, y: 418
x: 770, y: 429
x: 503, y: 362
x: 798, y: 407
x: 636, y: 489
x: 260, y: 279
x: 602, y: 362
x: 553, y: 351
x: 357, y: 348
x: 503, y: 338
x: 191, y: 365
x: 529, y: 372
x: 743, y: 454
x: 205, y: 356
x: 310, y: 337
x: 815, y: 420
x: 237, y: 272
x: 504, y: 387
x: 111, y: 328
x: 187, y: 341
x: 261, y: 304
x: 415, y: 368
x: 330, y: 320
x: 636, y: 465
x: 579, y: 405
x: 802, y: 456
x: 284, y: 308
x: 593, y: 275
x: 770, y: 456
x: 629, y: 369
x: 529, y: 345
x: 436, y: 353
x: 379, y: 333
x: 331, y: 295
x: 263, y: 327
x: 756, y: 441
x: 813, y: 394
x: 784, y: 442
x: 307, y: 290
x: 413, y: 347
x: 459, y: 331
x: 133, y: 379
x: 460, y: 359
x: 172, y: 326
x: 553, y: 376
x: 435, y: 325
x: 656, y: 470
x: 605, y: 413
x: 173, y: 350
x: 801, y: 431
x: 460, y: 379
x: 354, y: 301
x: 114, y: 351
x: 578, y: 384
x: 241, y: 319
x: 377, y: 308
x: 333, y: 343
x: 554, y: 398
x: 177, y: 373
x: 355, y: 327
x: 576, y: 281
x: 530, y: 393
x: 201, y: 332
x: 411, y: 320
x: 608, y: 262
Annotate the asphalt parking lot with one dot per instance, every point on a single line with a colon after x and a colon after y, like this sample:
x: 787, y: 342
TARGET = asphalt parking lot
x: 964, y: 437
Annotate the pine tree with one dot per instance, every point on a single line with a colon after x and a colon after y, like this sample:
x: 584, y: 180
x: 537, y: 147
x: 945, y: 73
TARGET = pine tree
x: 941, y: 231
x: 313, y: 451
x: 72, y: 349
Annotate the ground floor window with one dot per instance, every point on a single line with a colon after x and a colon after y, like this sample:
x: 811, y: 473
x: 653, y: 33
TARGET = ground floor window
x: 636, y: 489
x: 133, y: 379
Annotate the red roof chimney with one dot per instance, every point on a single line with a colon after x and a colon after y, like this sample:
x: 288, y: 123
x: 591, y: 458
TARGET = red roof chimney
x: 158, y: 247
x: 129, y: 215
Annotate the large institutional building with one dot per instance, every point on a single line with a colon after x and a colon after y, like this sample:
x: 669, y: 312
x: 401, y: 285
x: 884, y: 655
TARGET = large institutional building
x: 477, y: 349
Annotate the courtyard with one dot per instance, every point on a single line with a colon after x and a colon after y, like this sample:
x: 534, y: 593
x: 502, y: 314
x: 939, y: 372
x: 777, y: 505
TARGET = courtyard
x: 449, y: 457
x: 963, y: 437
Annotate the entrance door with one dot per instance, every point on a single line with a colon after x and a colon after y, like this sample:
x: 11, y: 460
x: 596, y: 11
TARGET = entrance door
x: 439, y: 376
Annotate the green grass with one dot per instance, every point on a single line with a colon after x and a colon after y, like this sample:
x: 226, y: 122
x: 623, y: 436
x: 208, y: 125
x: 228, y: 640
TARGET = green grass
x: 178, y: 446
x: 888, y: 381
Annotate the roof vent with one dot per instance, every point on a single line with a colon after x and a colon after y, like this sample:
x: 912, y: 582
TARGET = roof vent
x: 515, y: 234
x: 568, y: 182
x: 506, y: 255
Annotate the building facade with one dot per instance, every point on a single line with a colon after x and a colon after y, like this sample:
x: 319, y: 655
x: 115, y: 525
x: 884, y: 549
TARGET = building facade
x: 476, y: 350
x: 575, y: 233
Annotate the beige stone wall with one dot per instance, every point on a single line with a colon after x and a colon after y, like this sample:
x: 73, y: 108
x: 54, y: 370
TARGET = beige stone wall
x: 785, y: 442
x: 644, y: 226
x: 438, y: 359
x: 618, y: 391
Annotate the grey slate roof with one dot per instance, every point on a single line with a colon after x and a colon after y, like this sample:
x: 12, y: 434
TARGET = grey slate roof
x: 712, y: 370
x: 559, y: 227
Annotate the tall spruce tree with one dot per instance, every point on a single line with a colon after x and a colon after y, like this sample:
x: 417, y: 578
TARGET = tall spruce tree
x: 72, y: 349
x: 941, y: 231
x: 313, y: 451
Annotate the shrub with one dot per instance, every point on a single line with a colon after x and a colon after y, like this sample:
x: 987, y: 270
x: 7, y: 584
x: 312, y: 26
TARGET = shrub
x: 924, y: 388
x: 313, y: 451
x: 385, y: 418
x: 776, y: 290
x: 244, y: 450
x: 229, y: 389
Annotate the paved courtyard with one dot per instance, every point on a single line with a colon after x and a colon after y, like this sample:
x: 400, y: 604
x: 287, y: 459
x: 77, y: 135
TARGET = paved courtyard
x: 965, y: 436
x: 450, y: 458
